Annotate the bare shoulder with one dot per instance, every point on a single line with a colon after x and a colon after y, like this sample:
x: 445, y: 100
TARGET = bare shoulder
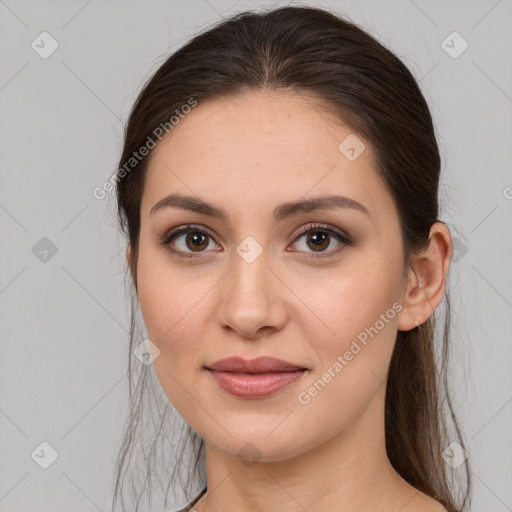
x: 434, y: 506
x: 413, y: 500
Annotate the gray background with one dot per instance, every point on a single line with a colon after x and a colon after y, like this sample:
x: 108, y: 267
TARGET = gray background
x: 64, y: 321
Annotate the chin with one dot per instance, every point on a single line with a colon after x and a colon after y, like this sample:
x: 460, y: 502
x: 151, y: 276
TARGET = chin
x: 257, y: 445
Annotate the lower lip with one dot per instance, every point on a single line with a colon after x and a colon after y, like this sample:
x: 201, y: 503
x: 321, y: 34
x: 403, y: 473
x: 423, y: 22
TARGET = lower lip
x: 255, y: 385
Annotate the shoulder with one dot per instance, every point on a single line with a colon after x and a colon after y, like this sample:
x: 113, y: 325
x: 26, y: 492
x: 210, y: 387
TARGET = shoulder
x: 414, y: 500
x: 424, y: 503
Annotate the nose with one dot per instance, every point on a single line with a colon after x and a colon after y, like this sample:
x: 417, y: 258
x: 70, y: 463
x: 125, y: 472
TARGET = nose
x: 251, y: 299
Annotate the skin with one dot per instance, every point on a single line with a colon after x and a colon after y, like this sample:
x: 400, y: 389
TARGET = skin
x: 247, y: 155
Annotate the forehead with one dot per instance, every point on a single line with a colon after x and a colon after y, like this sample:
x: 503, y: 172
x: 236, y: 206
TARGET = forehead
x: 260, y: 149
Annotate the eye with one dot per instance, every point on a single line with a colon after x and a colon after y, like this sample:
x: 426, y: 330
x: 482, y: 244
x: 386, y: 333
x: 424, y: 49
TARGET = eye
x: 319, y: 237
x: 195, y: 239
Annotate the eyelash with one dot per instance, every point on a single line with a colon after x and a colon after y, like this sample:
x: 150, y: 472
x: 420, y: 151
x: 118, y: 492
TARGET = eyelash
x: 314, y: 228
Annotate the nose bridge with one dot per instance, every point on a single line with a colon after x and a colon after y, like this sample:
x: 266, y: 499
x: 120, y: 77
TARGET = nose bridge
x: 250, y: 270
x: 251, y: 262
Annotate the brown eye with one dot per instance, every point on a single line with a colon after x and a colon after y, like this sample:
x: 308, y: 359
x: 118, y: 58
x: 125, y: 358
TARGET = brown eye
x: 190, y: 241
x: 196, y: 240
x: 186, y: 241
x: 317, y: 238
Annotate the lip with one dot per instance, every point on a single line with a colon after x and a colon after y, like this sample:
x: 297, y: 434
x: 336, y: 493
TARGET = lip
x: 262, y: 364
x: 254, y: 378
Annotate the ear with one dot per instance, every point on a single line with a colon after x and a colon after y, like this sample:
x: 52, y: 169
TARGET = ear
x: 426, y: 281
x: 129, y: 260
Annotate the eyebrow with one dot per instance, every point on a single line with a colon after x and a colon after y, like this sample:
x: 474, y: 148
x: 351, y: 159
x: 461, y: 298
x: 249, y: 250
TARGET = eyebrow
x: 280, y: 213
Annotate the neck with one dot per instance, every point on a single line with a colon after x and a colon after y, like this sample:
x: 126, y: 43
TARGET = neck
x: 350, y: 471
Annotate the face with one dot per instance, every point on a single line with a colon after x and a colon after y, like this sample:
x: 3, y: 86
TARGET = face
x: 253, y: 284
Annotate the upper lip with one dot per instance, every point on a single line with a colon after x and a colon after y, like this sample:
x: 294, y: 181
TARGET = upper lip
x: 262, y: 364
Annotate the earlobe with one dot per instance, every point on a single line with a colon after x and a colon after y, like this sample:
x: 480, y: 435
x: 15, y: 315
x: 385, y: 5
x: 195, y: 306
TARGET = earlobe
x: 427, y: 279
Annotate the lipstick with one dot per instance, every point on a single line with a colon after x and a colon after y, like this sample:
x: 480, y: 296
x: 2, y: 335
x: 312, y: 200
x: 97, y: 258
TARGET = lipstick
x: 254, y: 378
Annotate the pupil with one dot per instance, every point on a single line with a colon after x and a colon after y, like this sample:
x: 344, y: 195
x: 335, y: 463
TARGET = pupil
x: 318, y: 243
x: 196, y: 243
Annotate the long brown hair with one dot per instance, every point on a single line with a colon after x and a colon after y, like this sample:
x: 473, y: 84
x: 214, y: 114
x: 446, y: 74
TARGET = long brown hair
x: 318, y: 53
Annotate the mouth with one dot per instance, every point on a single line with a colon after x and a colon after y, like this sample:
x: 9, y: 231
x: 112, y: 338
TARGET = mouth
x: 262, y: 364
x: 255, y: 378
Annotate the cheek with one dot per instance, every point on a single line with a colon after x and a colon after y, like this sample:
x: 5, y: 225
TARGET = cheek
x: 355, y: 338
x: 350, y: 299
x: 171, y: 309
x: 361, y: 334
x: 172, y: 306
x: 352, y: 365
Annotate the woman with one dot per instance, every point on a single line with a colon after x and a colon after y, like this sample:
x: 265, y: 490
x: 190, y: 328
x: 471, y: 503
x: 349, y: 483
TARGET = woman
x: 278, y: 188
